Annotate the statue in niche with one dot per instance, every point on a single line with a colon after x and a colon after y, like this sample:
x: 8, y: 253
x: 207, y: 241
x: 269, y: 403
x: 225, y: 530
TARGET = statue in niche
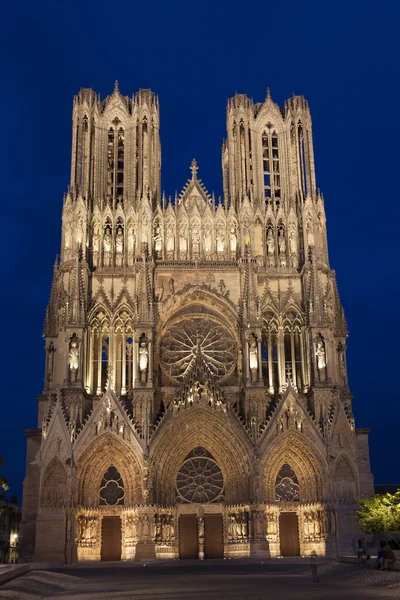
x: 96, y: 243
x: 342, y: 363
x: 293, y: 246
x: 79, y: 230
x: 119, y: 247
x: 170, y: 241
x: 143, y: 360
x: 282, y: 260
x: 74, y: 355
x: 207, y: 240
x: 68, y: 237
x: 195, y: 240
x: 270, y: 248
x: 282, y: 241
x: 131, y: 243
x: 158, y: 241
x: 220, y: 241
x: 144, y: 221
x: 320, y: 231
x: 310, y: 232
x: 253, y: 359
x: 232, y: 240
x: 50, y: 364
x: 107, y: 246
x: 182, y: 238
x: 321, y: 357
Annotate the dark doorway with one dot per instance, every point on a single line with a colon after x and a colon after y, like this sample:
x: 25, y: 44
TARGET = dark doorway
x: 188, y: 545
x: 213, y: 536
x: 289, y: 534
x: 111, y: 538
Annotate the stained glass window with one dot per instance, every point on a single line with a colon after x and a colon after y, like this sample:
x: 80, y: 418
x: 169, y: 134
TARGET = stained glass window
x: 287, y: 485
x: 199, y: 479
x: 112, y: 488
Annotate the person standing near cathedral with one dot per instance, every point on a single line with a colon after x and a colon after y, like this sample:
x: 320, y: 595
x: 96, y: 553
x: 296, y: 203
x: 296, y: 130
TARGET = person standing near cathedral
x: 314, y: 566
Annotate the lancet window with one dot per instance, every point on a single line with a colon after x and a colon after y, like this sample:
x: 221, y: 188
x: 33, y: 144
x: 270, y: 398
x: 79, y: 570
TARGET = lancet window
x: 301, y: 158
x: 115, y: 162
x: 271, y: 166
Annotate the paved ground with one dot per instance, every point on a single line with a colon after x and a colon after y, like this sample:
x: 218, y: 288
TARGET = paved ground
x: 205, y: 580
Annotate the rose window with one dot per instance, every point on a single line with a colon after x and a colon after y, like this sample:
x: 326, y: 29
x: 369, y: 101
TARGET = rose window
x: 198, y: 335
x: 112, y: 488
x: 287, y: 486
x: 199, y: 479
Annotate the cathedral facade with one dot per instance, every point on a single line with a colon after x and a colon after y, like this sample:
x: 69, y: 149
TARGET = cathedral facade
x: 195, y: 401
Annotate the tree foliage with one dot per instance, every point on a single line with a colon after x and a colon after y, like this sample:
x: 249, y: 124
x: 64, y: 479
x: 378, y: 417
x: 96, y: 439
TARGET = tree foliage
x: 379, y: 514
x: 3, y: 480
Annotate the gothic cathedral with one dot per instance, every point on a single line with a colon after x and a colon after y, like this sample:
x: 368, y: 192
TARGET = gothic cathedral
x: 195, y: 399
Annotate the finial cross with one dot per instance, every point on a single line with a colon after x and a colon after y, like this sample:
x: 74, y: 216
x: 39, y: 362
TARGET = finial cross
x: 194, y: 168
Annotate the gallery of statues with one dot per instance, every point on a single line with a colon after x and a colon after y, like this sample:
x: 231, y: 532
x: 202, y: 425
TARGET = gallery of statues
x: 196, y: 401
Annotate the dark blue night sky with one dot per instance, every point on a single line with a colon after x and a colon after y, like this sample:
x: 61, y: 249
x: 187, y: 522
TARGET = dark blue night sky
x: 342, y: 56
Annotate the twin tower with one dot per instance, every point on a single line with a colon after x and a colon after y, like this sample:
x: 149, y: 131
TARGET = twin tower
x: 195, y: 398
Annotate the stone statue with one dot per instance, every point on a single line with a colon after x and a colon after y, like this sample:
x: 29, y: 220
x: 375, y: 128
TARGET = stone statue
x: 170, y: 242
x: 310, y: 232
x: 195, y: 241
x: 107, y: 245
x: 131, y: 243
x: 96, y: 243
x: 119, y: 247
x: 207, y: 240
x: 68, y: 236
x: 220, y: 241
x: 253, y: 359
x: 201, y: 528
x: 320, y: 354
x: 159, y: 290
x: 182, y: 238
x: 293, y: 247
x: 158, y: 241
x: 270, y: 248
x: 232, y: 240
x: 172, y: 286
x: 143, y: 360
x: 222, y: 287
x: 74, y: 355
x: 282, y: 242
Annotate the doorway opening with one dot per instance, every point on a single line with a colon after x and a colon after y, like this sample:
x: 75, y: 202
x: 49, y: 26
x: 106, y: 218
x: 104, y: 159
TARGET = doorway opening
x: 188, y: 544
x: 213, y: 536
x: 289, y: 534
x: 111, y: 538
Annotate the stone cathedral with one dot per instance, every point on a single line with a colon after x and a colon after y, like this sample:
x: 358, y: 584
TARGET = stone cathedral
x: 195, y: 400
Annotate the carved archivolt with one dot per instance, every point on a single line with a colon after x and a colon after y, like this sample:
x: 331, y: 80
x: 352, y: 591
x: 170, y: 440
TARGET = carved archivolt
x: 105, y: 451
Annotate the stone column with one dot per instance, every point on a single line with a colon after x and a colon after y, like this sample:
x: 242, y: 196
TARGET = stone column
x: 150, y: 365
x: 270, y: 364
x: 246, y: 353
x: 293, y: 356
x: 89, y: 385
x: 281, y: 357
x: 136, y: 361
x: 123, y: 379
x: 99, y: 362
x: 260, y: 374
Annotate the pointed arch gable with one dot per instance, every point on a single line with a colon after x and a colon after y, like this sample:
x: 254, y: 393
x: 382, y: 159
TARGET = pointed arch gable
x: 293, y: 449
x: 219, y: 434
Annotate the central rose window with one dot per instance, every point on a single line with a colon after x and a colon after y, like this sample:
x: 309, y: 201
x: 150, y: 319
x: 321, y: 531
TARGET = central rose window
x: 199, y: 334
x: 199, y: 479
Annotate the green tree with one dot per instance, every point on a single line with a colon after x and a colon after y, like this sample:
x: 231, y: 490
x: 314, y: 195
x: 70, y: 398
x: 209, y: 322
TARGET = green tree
x: 380, y: 514
x: 3, y: 480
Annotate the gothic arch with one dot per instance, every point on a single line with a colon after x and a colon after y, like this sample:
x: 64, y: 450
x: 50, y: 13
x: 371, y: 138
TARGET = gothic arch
x: 54, y: 489
x: 344, y: 480
x: 294, y: 450
x: 105, y: 451
x: 216, y: 432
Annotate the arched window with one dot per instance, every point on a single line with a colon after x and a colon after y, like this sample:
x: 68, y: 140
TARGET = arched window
x: 302, y: 159
x: 110, y: 163
x: 111, y: 488
x: 287, y: 485
x: 271, y: 167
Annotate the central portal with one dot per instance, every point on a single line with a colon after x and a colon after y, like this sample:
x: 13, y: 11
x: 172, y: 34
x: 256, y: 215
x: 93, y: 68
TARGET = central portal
x: 289, y: 534
x: 213, y: 536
